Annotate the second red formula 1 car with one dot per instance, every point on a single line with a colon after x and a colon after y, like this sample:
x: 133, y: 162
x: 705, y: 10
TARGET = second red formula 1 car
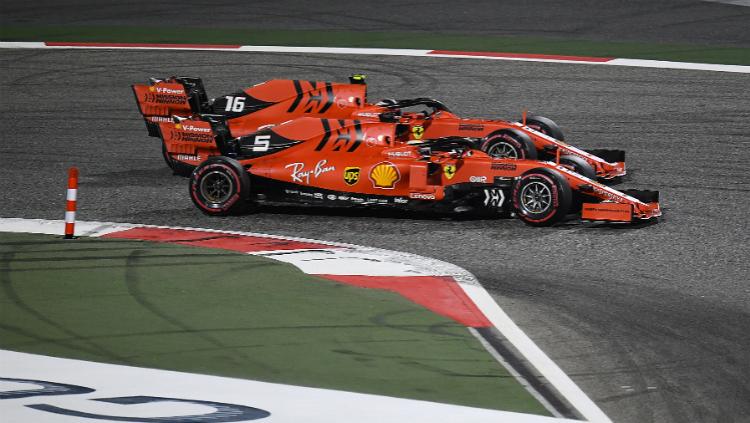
x: 345, y: 162
x: 276, y: 101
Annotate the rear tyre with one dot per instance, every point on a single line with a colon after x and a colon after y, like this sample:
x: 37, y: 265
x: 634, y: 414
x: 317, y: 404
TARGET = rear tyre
x: 220, y: 186
x: 578, y: 165
x: 542, y: 197
x: 546, y: 126
x: 509, y: 144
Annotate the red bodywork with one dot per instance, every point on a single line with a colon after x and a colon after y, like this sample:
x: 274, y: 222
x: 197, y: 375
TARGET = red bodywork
x: 366, y: 162
x: 277, y: 101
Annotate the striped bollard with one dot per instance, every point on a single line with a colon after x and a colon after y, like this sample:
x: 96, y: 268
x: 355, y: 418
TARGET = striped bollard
x: 70, y: 207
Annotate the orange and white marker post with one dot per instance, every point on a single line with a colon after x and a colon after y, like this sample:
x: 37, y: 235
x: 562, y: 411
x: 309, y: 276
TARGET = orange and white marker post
x: 70, y: 207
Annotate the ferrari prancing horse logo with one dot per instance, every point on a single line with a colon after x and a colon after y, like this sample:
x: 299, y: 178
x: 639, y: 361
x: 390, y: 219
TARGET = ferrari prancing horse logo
x: 351, y: 175
x: 449, y: 171
x: 417, y: 131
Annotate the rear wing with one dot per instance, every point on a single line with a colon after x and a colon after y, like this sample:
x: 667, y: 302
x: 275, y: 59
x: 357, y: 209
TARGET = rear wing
x: 201, y: 134
x: 163, y: 98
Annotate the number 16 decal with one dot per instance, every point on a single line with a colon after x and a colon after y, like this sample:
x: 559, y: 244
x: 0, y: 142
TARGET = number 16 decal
x: 235, y: 104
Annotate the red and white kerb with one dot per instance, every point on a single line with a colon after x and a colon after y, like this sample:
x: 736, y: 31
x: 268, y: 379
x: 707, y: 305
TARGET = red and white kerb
x: 70, y: 207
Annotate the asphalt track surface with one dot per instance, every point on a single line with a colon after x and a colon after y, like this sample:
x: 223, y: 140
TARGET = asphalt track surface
x: 651, y: 322
x: 664, y: 21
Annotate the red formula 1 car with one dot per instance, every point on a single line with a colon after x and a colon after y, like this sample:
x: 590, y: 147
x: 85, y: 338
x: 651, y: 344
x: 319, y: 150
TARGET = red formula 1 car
x: 344, y: 162
x: 276, y: 101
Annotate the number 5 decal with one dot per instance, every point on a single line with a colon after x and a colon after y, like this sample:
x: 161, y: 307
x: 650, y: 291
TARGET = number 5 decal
x: 262, y: 142
x: 235, y: 104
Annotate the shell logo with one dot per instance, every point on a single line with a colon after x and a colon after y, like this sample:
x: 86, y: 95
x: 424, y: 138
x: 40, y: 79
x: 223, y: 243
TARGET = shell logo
x: 384, y: 175
x: 152, y: 88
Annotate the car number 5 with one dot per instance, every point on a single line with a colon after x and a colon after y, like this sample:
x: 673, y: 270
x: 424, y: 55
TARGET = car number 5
x: 261, y: 143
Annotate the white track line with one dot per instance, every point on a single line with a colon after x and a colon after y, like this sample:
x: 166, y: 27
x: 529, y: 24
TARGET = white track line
x: 658, y: 64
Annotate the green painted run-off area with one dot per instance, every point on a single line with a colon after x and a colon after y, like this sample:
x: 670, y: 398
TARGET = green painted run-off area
x: 224, y: 313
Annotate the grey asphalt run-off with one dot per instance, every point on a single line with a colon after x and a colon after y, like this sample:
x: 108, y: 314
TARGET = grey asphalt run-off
x: 651, y: 322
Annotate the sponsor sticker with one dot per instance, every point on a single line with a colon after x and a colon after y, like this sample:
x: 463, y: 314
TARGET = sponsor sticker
x: 159, y: 119
x: 478, y: 179
x: 503, y: 166
x: 193, y: 128
x: 368, y: 114
x: 165, y: 90
x: 184, y: 136
x: 351, y: 175
x: 494, y: 198
x: 302, y: 175
x: 470, y: 127
x: 421, y: 196
x: 384, y: 175
x: 399, y: 153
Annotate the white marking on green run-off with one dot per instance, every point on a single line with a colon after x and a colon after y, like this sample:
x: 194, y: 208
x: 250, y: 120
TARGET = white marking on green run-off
x: 176, y: 394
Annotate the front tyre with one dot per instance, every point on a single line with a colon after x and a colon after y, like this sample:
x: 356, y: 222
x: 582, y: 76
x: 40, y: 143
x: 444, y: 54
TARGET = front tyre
x: 542, y: 197
x: 546, y: 126
x: 220, y: 186
x: 578, y: 165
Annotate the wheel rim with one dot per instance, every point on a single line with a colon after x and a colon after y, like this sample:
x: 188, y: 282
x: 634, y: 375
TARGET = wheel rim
x: 216, y: 187
x: 536, y: 197
x: 503, y: 150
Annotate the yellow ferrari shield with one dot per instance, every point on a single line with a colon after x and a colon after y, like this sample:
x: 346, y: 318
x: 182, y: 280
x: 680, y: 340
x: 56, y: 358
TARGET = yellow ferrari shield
x: 449, y: 171
x: 417, y: 131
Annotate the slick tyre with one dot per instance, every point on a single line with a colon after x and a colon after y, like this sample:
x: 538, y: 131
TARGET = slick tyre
x: 542, y: 197
x: 578, y: 165
x: 546, y: 126
x: 220, y: 187
x: 509, y: 144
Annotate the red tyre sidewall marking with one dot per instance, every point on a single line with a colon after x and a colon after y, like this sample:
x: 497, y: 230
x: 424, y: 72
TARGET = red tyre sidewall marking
x: 554, y: 192
x: 537, y: 128
x: 194, y: 187
x: 510, y: 140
